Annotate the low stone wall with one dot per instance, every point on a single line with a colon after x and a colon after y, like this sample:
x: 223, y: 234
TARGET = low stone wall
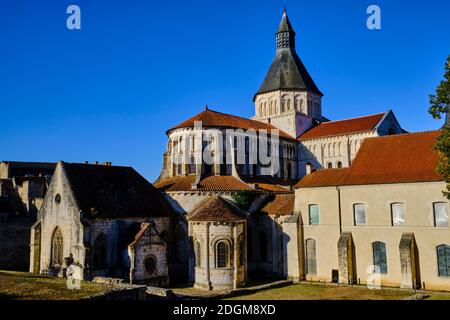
x: 122, y: 292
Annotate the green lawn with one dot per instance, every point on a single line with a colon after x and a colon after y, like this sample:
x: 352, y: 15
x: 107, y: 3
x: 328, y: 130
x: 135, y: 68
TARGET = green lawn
x: 438, y: 296
x: 320, y: 292
x: 28, y: 286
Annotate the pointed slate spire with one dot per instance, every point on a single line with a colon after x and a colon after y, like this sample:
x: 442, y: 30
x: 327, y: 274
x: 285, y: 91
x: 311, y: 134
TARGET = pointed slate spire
x: 287, y: 71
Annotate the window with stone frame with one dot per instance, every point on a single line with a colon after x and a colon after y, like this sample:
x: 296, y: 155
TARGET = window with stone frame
x: 379, y: 257
x: 311, y: 260
x: 440, y: 214
x: 314, y: 214
x: 359, y: 213
x: 397, y: 214
x: 179, y: 165
x: 443, y: 260
x: 192, y: 166
x: 222, y: 254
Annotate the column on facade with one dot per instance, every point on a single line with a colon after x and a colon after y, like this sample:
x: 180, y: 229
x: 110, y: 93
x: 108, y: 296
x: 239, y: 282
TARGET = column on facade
x: 346, y: 259
x: 294, y: 248
x: 207, y: 257
x: 235, y: 246
x: 408, y: 262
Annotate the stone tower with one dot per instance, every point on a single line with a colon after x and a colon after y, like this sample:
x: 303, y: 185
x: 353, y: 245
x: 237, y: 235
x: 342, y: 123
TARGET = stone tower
x: 288, y: 97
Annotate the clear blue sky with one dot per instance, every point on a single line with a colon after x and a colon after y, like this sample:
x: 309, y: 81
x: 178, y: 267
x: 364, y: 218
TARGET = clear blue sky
x: 109, y: 92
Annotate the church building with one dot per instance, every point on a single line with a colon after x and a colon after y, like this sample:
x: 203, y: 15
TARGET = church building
x: 215, y: 157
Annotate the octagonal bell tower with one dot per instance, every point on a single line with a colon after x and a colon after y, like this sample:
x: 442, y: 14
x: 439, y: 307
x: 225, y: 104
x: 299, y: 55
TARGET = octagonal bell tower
x: 288, y: 97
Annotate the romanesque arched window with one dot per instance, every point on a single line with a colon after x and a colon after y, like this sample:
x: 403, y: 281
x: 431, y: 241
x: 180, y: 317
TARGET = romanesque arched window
x: 289, y: 170
x: 283, y: 104
x: 329, y: 165
x: 339, y: 164
x: 443, y: 260
x: 198, y: 254
x: 192, y: 165
x: 179, y: 166
x: 57, y: 248
x: 222, y: 254
x: 311, y: 261
x: 99, y: 252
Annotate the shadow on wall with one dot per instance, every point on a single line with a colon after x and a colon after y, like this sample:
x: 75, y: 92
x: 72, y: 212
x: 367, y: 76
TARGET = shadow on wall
x: 180, y: 247
x: 266, y: 249
x: 307, y: 156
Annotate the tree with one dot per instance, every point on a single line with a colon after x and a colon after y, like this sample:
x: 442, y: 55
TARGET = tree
x: 244, y: 198
x: 439, y: 105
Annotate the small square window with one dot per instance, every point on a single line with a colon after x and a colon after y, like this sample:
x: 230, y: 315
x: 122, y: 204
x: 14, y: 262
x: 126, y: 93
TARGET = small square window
x: 314, y: 214
x: 359, y: 214
x: 440, y: 214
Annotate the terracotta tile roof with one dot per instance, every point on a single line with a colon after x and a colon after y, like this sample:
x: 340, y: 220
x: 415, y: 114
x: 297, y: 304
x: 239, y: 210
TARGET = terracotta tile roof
x: 340, y: 127
x: 271, y: 188
x: 210, y: 183
x: 323, y: 178
x: 394, y: 159
x: 211, y: 118
x: 267, y: 180
x: 280, y: 204
x: 225, y: 183
x: 215, y: 208
x: 404, y: 158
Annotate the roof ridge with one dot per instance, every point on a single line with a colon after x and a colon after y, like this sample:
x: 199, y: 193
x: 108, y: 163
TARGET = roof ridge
x: 330, y: 169
x: 402, y: 134
x: 360, y: 117
x: 96, y: 165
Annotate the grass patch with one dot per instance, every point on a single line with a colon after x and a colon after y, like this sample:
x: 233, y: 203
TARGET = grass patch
x: 320, y: 292
x: 438, y: 297
x: 27, y: 286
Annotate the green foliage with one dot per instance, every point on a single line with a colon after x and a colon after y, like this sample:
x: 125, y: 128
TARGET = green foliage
x: 244, y: 198
x: 440, y: 104
x: 442, y: 147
